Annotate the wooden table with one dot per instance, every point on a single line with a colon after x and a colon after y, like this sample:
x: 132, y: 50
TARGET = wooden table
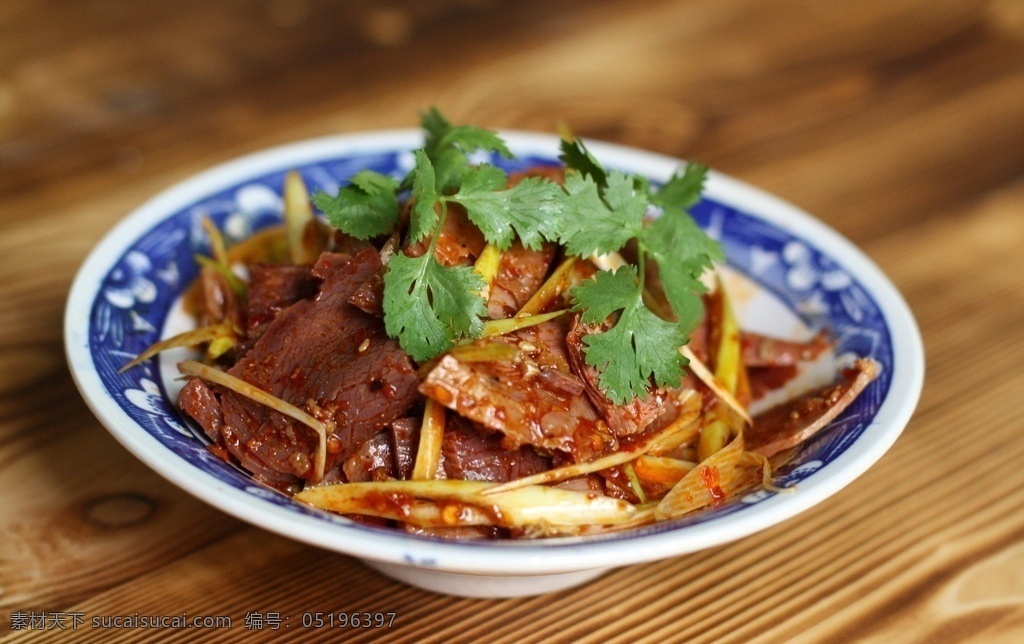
x: 898, y: 122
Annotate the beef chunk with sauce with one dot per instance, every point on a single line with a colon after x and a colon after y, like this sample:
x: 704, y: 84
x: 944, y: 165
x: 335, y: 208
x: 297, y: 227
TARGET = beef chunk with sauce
x: 323, y: 355
x: 533, y: 400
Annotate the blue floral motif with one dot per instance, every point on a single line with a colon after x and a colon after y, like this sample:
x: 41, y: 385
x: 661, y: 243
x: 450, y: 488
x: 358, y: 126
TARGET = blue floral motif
x: 130, y: 310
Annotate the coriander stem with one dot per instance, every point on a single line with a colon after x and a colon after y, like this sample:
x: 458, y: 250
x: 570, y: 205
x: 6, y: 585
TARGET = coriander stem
x: 641, y: 268
x: 434, y: 236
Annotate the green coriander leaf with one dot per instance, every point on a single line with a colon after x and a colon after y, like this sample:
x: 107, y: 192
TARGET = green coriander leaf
x: 365, y: 208
x: 450, y: 166
x: 428, y: 307
x: 424, y: 216
x: 607, y: 293
x: 448, y: 146
x: 469, y: 138
x: 576, y: 157
x: 591, y: 223
x: 435, y: 126
x: 623, y: 198
x: 638, y: 347
x: 683, y: 252
x: 530, y: 208
x: 682, y: 191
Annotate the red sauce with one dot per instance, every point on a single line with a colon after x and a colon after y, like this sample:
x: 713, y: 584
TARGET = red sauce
x: 390, y: 503
x: 712, y: 481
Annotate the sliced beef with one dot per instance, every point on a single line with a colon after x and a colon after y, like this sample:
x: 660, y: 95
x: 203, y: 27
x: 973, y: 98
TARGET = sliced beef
x: 200, y: 402
x: 762, y: 351
x: 521, y: 271
x: 373, y: 461
x: 273, y: 288
x: 405, y: 436
x: 217, y: 301
x: 772, y: 362
x: 793, y: 422
x: 511, y: 397
x: 369, y: 297
x: 470, y: 455
x: 330, y: 263
x: 328, y: 357
x: 458, y: 242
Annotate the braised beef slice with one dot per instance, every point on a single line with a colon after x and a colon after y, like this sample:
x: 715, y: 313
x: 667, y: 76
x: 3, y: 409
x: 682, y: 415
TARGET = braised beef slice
x: 772, y: 362
x: 220, y: 303
x: 329, y: 263
x: 328, y: 357
x: 373, y: 461
x: 473, y: 456
x: 458, y: 242
x: 405, y: 436
x: 793, y: 422
x: 761, y: 351
x: 510, y: 396
x: 369, y: 297
x: 273, y: 288
x: 521, y: 271
x: 200, y: 402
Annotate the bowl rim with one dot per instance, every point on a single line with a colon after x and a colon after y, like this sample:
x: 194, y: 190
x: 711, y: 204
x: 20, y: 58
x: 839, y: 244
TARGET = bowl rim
x: 502, y: 557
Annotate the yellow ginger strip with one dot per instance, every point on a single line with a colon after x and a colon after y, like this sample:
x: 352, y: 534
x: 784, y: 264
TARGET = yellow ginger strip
x: 728, y: 365
x: 428, y: 455
x: 454, y: 502
x: 486, y: 267
x: 218, y: 247
x: 508, y: 325
x: 710, y: 482
x: 192, y: 338
x: 486, y: 352
x: 661, y: 469
x: 700, y: 370
x: 299, y: 221
x: 550, y: 289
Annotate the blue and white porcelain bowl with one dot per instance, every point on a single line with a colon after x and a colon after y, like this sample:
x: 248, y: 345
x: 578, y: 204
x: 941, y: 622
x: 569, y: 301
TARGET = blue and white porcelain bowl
x: 796, y: 275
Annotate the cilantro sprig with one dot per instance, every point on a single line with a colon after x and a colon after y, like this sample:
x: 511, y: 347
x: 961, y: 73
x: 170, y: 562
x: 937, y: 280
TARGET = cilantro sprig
x: 366, y: 208
x: 638, y: 347
x: 429, y: 307
x: 610, y: 210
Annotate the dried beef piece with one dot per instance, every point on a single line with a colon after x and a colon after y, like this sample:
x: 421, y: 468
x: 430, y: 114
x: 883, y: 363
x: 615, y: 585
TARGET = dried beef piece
x: 373, y: 461
x: 273, y: 288
x: 472, y: 456
x: 793, y: 422
x: 328, y: 357
x: 510, y: 397
x: 521, y: 272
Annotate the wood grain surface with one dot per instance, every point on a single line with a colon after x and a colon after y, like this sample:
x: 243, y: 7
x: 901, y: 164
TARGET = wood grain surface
x: 898, y: 122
